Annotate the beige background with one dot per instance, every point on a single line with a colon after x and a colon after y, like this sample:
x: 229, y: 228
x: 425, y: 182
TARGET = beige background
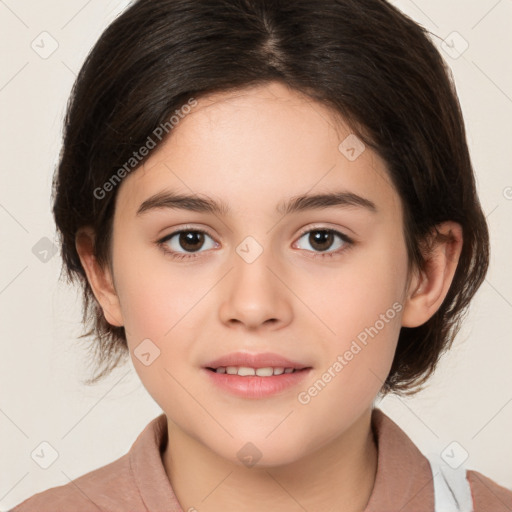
x: 41, y: 396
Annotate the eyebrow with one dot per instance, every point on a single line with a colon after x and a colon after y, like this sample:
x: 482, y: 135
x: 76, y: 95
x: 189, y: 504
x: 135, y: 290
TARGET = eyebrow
x: 172, y: 200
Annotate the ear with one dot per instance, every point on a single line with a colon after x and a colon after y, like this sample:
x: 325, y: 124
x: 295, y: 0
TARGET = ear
x: 100, y: 279
x: 427, y: 289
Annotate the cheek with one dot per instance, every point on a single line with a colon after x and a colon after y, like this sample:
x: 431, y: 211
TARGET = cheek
x: 360, y: 308
x: 154, y: 298
x: 355, y: 362
x: 366, y: 289
x: 161, y: 310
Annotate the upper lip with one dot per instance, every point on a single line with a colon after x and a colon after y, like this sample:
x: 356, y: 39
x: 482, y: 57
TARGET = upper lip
x: 263, y: 360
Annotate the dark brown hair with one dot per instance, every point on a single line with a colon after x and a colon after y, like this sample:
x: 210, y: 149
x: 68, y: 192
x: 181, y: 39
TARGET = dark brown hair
x: 364, y: 59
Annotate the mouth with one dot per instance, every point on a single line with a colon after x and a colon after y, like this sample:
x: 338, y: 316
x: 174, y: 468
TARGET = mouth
x: 255, y: 376
x: 248, y: 364
x: 247, y: 371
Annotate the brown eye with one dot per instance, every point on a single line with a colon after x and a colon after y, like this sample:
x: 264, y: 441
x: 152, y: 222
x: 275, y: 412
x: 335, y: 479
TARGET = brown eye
x: 321, y: 240
x: 190, y: 240
x: 186, y: 242
x: 324, y: 241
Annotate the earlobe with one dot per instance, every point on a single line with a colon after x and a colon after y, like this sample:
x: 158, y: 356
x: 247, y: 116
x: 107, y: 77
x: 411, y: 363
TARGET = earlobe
x: 100, y: 279
x: 429, y: 287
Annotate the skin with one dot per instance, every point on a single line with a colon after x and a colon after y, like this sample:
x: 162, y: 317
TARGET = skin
x: 253, y: 149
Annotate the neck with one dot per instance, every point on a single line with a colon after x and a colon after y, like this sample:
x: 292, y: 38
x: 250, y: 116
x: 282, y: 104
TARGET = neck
x: 338, y: 476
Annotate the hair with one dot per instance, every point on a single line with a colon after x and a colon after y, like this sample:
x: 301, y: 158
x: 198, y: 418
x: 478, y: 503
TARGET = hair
x: 365, y: 60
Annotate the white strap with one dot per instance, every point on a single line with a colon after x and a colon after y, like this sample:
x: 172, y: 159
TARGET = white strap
x: 451, y: 488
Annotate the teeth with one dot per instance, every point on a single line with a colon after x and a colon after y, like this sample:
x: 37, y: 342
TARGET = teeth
x: 266, y: 372
x: 245, y: 371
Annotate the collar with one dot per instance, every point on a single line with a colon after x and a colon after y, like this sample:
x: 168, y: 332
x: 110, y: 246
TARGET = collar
x: 403, y: 480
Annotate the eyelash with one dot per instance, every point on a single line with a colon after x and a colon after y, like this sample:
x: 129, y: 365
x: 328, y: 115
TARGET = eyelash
x: 349, y: 242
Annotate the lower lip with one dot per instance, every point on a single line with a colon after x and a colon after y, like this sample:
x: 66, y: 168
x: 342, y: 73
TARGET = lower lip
x: 254, y: 386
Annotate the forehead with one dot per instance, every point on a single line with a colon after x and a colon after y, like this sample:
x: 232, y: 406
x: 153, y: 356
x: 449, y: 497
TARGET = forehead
x: 254, y: 147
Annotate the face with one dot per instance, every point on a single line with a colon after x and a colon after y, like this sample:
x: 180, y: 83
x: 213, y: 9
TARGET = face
x: 320, y: 283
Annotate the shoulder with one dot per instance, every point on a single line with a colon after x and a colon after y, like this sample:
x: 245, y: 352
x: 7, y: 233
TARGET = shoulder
x: 488, y: 496
x: 405, y: 476
x: 136, y: 482
x: 106, y: 488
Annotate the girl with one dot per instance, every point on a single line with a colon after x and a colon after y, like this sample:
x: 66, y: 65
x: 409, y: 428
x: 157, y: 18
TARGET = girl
x: 271, y: 208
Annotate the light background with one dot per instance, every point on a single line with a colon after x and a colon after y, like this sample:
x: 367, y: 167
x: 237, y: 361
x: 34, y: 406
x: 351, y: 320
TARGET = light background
x: 41, y: 365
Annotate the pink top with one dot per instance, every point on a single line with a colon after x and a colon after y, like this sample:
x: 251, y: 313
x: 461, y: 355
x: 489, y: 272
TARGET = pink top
x: 137, y: 481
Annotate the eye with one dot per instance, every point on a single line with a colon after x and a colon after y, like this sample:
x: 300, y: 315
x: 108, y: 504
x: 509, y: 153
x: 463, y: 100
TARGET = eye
x: 184, y: 243
x: 322, y: 239
x: 188, y: 240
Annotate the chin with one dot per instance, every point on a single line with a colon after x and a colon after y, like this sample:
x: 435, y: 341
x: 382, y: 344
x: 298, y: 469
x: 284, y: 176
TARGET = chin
x: 261, y: 454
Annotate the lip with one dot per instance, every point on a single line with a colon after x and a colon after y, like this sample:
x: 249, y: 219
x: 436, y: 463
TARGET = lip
x: 255, y: 361
x: 253, y: 386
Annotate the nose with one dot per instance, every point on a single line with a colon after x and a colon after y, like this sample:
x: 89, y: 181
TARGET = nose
x: 255, y: 294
